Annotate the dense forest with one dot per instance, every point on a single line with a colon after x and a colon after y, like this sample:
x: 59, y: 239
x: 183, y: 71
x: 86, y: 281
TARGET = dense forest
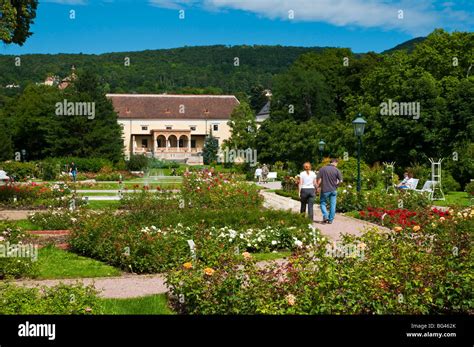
x: 214, y: 69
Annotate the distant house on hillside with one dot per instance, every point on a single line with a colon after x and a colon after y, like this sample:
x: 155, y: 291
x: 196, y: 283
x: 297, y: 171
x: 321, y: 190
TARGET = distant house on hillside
x: 172, y: 127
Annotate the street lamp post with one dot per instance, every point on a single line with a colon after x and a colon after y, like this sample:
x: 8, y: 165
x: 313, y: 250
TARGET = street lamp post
x: 321, y: 145
x: 359, y: 127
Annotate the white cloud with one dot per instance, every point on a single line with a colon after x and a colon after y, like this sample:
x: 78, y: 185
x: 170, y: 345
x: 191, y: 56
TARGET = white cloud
x: 173, y: 4
x: 419, y: 16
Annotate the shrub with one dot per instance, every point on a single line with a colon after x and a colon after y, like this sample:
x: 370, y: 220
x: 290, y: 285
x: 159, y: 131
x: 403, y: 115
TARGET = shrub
x: 470, y: 188
x: 423, y: 272
x: 348, y: 169
x: 49, y: 170
x: 35, y: 195
x: 155, y: 163
x: 17, y: 259
x: 19, y: 170
x: 204, y: 190
x: 153, y: 242
x: 61, y: 299
x: 137, y: 163
x: 448, y: 183
x: 58, y: 219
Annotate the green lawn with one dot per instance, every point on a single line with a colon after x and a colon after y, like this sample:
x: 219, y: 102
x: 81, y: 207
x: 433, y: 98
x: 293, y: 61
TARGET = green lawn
x: 152, y: 304
x: 454, y: 198
x: 99, y: 204
x: 25, y: 224
x: 57, y: 263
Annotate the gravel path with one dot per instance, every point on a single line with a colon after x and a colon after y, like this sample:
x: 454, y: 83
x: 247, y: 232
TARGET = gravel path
x: 126, y: 286
x: 341, y: 225
x: 16, y: 214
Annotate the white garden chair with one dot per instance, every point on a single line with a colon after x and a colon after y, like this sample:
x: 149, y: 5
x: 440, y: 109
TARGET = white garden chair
x: 272, y: 176
x: 428, y: 187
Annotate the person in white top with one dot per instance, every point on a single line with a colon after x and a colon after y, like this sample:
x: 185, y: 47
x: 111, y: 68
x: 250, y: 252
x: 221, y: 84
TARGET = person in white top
x: 307, y: 190
x: 258, y: 174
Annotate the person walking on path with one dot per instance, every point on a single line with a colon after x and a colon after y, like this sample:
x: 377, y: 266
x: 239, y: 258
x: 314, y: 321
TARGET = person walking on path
x: 73, y: 170
x: 265, y: 173
x: 328, y: 178
x: 258, y: 174
x: 307, y: 190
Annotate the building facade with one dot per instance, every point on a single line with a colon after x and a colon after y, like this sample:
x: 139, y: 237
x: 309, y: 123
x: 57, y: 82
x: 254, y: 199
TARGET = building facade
x: 172, y: 127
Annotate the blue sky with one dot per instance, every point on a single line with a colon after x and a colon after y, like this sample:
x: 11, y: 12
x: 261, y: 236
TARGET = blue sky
x: 103, y: 26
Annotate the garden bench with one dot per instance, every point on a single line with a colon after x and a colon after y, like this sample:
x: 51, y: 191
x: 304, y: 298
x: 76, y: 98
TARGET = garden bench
x: 272, y: 176
x: 428, y: 187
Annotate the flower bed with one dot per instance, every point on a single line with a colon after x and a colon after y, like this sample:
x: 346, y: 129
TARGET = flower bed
x: 148, y: 243
x: 424, y: 272
x: 205, y: 190
x: 400, y: 219
x: 34, y: 195
x: 17, y: 258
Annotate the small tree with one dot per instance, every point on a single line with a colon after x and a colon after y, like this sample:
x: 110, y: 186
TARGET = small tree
x: 243, y: 128
x: 6, y: 146
x: 211, y: 146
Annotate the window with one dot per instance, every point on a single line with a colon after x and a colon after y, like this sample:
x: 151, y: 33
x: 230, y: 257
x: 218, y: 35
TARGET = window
x: 215, y: 127
x: 193, y: 143
x: 169, y: 127
x: 192, y: 127
x: 144, y: 143
x: 144, y: 127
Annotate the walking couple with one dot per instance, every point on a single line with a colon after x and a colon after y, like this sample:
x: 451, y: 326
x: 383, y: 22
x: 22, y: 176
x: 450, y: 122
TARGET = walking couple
x: 325, y: 183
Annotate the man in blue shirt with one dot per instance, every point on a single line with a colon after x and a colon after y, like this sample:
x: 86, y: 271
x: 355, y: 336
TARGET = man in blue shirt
x: 329, y: 177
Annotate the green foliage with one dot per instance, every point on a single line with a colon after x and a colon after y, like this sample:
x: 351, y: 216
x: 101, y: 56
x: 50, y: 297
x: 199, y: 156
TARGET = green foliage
x: 20, y: 170
x: 258, y: 98
x: 42, y: 133
x: 211, y: 147
x: 376, y: 273
x: 34, y: 195
x: 470, y: 188
x: 202, y: 70
x: 6, y: 144
x: 16, y: 18
x: 155, y: 163
x: 200, y: 189
x: 17, y: 257
x: 58, y: 300
x: 137, y: 163
x: 242, y: 127
x: 49, y: 170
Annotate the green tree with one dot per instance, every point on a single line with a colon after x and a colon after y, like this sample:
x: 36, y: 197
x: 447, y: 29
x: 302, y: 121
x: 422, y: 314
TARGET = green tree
x: 6, y: 145
x: 99, y: 135
x: 258, y: 98
x: 16, y: 16
x: 243, y: 128
x: 211, y: 147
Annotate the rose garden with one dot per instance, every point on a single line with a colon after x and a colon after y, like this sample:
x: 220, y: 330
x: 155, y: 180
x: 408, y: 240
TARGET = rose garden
x: 208, y: 241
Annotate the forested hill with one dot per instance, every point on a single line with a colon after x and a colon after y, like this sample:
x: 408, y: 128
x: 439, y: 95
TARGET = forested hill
x: 408, y: 46
x: 212, y: 68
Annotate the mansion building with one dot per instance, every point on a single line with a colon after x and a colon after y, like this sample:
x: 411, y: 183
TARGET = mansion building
x: 172, y: 127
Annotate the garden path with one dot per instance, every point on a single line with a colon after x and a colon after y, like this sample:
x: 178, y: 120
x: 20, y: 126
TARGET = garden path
x: 15, y: 214
x: 126, y: 286
x: 342, y: 224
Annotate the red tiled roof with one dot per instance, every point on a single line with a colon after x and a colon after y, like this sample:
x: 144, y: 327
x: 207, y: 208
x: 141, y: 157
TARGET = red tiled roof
x: 167, y: 106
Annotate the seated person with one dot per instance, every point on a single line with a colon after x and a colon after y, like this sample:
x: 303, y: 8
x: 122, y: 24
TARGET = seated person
x: 407, y: 182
